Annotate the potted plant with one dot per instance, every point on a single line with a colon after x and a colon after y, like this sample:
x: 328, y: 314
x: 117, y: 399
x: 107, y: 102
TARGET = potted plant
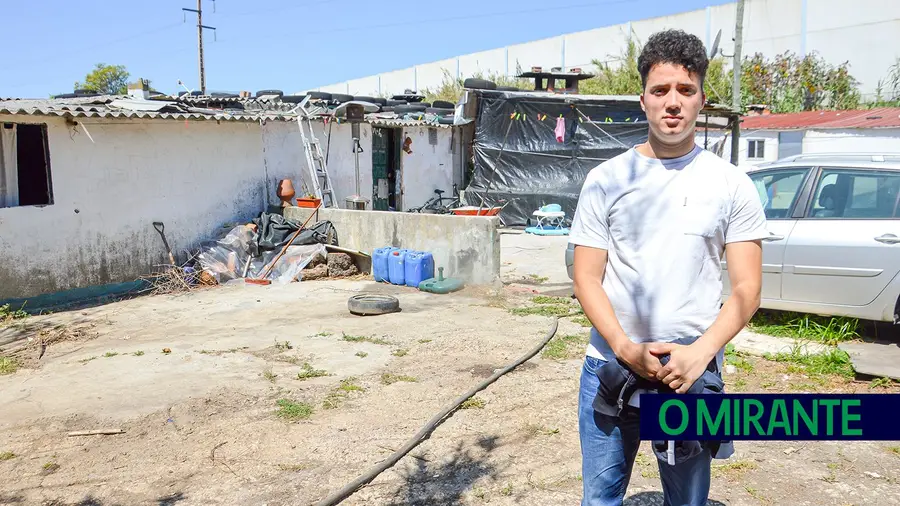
x: 308, y: 200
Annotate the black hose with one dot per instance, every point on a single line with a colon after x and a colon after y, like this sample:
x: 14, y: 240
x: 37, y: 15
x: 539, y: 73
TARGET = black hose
x: 372, y: 473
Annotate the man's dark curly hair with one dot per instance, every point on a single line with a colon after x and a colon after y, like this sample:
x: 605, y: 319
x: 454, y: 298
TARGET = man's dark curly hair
x: 673, y: 46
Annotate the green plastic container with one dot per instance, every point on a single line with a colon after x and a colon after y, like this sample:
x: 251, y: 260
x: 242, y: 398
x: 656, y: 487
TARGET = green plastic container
x: 441, y: 285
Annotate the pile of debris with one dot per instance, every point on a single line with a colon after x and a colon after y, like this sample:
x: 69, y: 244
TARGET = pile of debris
x: 274, y: 249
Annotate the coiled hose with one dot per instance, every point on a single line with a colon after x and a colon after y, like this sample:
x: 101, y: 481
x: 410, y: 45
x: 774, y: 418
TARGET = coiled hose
x: 350, y: 488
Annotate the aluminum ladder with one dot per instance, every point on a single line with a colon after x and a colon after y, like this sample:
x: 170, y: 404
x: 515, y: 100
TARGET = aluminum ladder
x: 319, y: 178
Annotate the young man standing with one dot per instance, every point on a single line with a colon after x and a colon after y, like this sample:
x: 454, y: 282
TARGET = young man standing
x: 650, y: 231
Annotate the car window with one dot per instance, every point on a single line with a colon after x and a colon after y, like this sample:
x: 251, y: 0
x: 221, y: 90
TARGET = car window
x: 778, y: 190
x: 856, y: 193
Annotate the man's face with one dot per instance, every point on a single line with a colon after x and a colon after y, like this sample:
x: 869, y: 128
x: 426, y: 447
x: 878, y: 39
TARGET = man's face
x: 672, y: 100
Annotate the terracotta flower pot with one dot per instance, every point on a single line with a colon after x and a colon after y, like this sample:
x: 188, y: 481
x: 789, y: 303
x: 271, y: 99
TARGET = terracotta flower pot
x: 285, y: 192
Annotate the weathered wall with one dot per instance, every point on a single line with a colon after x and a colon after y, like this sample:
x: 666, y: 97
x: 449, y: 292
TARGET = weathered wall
x: 429, y: 167
x: 192, y: 176
x: 466, y: 247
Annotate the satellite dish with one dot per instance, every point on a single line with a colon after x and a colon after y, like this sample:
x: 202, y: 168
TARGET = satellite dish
x: 715, y: 47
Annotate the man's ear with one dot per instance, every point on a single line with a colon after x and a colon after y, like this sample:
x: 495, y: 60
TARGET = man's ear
x: 642, y: 103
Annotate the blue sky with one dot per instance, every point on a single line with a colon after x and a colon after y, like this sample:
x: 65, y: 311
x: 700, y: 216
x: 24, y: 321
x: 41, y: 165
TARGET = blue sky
x: 290, y: 45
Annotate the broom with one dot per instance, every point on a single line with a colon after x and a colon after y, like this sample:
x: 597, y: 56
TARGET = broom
x: 262, y: 280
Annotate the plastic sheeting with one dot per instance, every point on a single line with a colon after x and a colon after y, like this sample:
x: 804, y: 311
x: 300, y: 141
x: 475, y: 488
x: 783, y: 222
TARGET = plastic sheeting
x: 534, y: 169
x: 226, y: 257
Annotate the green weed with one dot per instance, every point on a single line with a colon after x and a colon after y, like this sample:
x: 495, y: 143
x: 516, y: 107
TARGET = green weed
x: 894, y: 449
x: 8, y: 365
x: 507, y: 490
x: 390, y: 378
x: 269, y: 375
x: 473, y: 403
x: 881, y: 383
x: 307, y: 371
x: 544, y: 299
x: 290, y: 410
x: 402, y: 352
x: 7, y: 456
x: 86, y: 360
x: 7, y: 315
x: 543, y: 310
x: 734, y: 469
x: 583, y: 321
x: 365, y: 339
x: 827, y: 330
x: 834, y: 362
x: 138, y: 353
x: 110, y: 354
x: 424, y: 341
x: 283, y: 346
x: 349, y: 385
x: 565, y: 347
x: 362, y: 354
x: 534, y: 429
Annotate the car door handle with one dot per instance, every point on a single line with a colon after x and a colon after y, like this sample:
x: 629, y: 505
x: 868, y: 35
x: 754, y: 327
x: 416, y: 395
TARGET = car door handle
x: 888, y: 239
x: 773, y: 237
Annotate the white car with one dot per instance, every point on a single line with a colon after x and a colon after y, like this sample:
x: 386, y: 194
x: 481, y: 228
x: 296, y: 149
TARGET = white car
x: 834, y: 235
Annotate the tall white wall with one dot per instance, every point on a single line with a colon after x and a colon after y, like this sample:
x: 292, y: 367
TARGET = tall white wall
x: 864, y: 32
x: 192, y: 176
x: 429, y: 167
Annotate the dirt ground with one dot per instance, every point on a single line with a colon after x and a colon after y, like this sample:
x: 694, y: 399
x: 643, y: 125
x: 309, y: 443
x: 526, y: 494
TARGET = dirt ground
x: 201, y: 423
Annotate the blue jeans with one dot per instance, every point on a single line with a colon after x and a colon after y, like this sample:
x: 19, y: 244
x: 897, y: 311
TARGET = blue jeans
x: 609, y: 446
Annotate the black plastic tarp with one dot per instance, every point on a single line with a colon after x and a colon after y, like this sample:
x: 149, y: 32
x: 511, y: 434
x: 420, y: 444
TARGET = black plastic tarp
x: 519, y: 160
x: 274, y: 231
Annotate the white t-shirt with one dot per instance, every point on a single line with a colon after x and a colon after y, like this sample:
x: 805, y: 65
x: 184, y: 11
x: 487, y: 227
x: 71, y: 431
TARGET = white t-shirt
x: 665, y: 224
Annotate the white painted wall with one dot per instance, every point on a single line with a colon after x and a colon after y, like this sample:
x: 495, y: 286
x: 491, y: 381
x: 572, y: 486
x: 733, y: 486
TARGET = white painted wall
x: 851, y: 140
x: 192, y: 176
x: 877, y: 140
x: 769, y: 137
x: 864, y: 32
x: 429, y: 167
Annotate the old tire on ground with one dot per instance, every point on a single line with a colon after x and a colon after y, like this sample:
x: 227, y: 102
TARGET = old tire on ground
x: 479, y: 84
x: 369, y: 304
x: 403, y: 109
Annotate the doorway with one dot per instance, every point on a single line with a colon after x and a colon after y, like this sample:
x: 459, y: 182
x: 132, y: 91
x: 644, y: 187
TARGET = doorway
x: 386, y: 170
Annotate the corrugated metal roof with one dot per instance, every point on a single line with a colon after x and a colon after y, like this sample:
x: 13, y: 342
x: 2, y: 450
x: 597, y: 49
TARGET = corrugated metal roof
x: 886, y: 117
x: 400, y: 122
x: 110, y: 106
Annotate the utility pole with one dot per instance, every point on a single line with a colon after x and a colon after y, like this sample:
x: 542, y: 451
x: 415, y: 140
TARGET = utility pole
x: 200, y: 27
x: 736, y: 86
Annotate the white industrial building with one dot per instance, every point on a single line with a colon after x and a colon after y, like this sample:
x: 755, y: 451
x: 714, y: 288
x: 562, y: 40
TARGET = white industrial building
x: 864, y: 32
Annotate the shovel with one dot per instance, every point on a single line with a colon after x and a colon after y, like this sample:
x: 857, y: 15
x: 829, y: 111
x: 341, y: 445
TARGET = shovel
x: 161, y: 228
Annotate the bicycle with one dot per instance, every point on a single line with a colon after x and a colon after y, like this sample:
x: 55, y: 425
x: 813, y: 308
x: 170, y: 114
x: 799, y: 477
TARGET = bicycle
x: 435, y: 205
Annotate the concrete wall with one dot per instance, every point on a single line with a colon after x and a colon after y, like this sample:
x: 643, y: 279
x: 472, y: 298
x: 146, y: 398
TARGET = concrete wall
x: 466, y: 247
x: 192, y: 176
x: 865, y: 32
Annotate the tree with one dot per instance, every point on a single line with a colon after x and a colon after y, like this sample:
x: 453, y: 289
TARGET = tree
x: 106, y: 79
